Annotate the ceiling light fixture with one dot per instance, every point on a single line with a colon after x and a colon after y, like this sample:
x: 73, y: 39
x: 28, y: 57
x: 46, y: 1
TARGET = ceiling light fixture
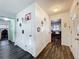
x: 56, y: 8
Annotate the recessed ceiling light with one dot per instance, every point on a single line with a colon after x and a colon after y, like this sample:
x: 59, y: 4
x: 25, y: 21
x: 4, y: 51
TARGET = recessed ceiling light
x: 55, y: 8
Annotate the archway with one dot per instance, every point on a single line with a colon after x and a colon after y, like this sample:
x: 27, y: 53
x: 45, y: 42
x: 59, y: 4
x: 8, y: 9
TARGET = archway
x: 4, y: 34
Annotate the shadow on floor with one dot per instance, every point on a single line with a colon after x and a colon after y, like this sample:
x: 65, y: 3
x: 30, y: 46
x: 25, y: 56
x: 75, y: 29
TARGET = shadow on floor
x: 9, y: 51
x: 53, y: 51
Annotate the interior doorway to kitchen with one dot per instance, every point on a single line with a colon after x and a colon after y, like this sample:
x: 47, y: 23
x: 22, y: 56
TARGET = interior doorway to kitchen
x: 56, y: 31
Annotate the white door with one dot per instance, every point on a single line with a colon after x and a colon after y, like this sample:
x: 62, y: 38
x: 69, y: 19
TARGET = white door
x: 77, y: 39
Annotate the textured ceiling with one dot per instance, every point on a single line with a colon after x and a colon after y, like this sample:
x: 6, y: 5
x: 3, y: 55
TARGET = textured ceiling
x: 9, y: 8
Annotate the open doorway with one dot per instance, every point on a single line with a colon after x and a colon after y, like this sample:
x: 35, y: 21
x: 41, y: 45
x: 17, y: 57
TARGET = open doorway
x: 56, y: 31
x: 4, y: 34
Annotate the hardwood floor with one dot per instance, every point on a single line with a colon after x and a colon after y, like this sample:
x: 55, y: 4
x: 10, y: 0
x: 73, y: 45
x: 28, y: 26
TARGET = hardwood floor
x: 9, y: 51
x: 55, y: 52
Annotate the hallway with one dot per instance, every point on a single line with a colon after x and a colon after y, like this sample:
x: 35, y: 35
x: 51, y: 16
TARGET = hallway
x: 30, y: 26
x: 56, y: 52
x: 9, y: 51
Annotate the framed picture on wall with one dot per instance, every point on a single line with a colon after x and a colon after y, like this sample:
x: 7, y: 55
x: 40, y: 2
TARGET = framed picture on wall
x: 28, y: 16
x: 44, y: 19
x: 42, y: 23
x: 20, y: 24
x: 17, y: 19
x: 22, y: 31
x: 65, y: 25
x: 38, y: 29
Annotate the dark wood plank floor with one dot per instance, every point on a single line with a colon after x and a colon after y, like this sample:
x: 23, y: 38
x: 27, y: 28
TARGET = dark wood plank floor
x: 9, y: 51
x: 55, y: 52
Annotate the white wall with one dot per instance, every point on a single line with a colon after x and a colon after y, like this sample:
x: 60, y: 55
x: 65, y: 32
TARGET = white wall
x: 11, y: 30
x: 39, y: 40
x: 43, y: 37
x: 23, y: 40
x: 75, y: 43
